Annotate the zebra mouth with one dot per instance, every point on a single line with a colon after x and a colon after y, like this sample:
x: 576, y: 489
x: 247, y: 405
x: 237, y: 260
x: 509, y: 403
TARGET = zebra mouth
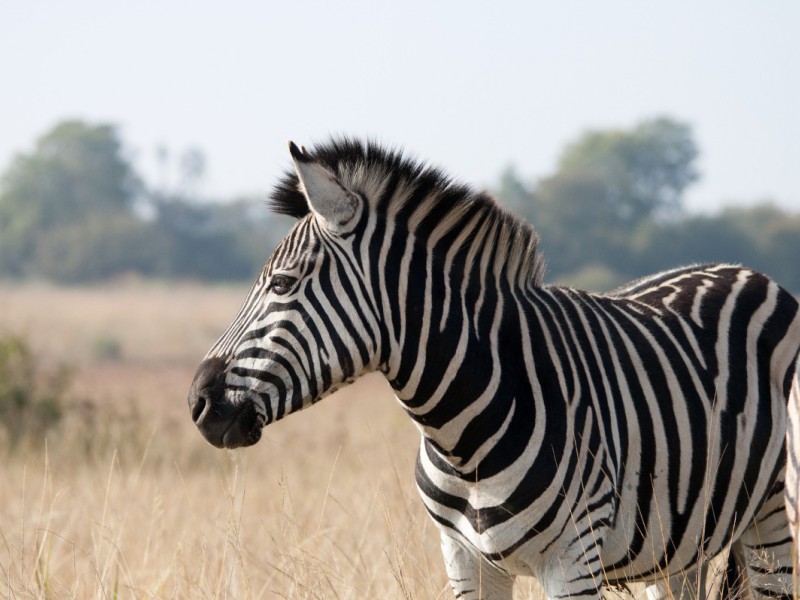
x: 243, y: 430
x: 228, y: 426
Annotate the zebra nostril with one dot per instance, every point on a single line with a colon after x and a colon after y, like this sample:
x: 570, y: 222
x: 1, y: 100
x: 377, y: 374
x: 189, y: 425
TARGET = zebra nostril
x: 198, y: 407
x: 207, y: 388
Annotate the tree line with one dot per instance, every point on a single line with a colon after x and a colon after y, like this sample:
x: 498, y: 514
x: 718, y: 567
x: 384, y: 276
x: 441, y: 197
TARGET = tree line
x: 75, y: 210
x: 613, y: 211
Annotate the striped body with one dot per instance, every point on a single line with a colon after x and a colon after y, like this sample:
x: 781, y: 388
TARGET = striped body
x: 580, y: 438
x: 641, y: 409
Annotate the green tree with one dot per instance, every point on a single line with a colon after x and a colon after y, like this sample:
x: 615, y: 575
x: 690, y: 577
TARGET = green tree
x: 576, y: 224
x: 697, y: 239
x: 763, y: 237
x: 101, y: 248
x: 515, y: 195
x: 641, y: 173
x: 214, y: 241
x: 76, y: 172
x: 607, y: 185
x: 74, y: 210
x: 775, y: 236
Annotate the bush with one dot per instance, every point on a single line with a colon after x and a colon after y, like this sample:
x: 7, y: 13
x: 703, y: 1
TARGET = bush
x: 107, y: 349
x: 31, y: 401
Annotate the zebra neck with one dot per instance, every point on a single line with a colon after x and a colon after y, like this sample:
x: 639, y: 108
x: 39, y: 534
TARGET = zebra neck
x: 461, y: 384
x: 451, y: 298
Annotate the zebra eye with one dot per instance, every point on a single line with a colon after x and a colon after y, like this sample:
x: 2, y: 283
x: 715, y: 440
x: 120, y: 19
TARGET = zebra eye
x: 282, y: 284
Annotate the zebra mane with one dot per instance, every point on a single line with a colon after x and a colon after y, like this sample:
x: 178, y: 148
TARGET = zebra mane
x: 401, y: 187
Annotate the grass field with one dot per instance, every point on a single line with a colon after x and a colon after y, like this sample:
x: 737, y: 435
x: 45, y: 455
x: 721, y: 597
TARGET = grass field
x: 125, y: 499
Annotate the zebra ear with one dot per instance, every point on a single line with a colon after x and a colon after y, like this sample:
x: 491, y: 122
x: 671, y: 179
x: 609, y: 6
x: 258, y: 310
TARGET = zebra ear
x: 325, y: 195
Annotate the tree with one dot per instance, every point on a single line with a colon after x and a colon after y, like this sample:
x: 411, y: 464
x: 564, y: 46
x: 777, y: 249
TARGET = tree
x: 76, y: 172
x: 697, y: 239
x: 641, y: 173
x: 515, y: 195
x: 210, y: 241
x: 609, y: 184
x: 575, y: 222
x: 101, y: 248
x: 775, y: 235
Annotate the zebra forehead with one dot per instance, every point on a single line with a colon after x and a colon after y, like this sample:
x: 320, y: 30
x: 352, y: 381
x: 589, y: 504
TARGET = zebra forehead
x: 295, y: 246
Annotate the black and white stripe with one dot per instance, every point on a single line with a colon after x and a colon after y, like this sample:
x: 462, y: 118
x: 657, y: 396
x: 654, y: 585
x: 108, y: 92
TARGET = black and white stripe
x: 792, y: 492
x: 580, y: 438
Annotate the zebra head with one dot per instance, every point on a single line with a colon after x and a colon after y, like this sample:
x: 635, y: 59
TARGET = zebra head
x: 293, y: 341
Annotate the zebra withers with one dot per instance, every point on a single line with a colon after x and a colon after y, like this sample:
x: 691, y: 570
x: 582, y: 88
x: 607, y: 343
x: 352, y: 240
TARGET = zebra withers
x: 580, y: 438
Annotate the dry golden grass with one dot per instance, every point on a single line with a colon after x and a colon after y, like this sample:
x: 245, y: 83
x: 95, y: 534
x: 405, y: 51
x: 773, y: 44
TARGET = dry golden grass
x: 127, y: 500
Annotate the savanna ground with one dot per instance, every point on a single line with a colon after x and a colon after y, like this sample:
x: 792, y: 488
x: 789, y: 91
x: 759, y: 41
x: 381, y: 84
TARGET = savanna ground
x: 124, y: 499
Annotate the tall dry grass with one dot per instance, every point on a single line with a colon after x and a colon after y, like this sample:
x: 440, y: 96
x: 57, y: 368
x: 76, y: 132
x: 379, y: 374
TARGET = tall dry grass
x: 126, y: 500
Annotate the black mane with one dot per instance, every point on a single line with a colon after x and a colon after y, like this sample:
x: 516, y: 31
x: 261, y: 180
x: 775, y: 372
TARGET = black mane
x: 359, y: 165
x: 349, y: 154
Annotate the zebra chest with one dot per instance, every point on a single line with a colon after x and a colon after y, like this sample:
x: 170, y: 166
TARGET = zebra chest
x: 505, y: 519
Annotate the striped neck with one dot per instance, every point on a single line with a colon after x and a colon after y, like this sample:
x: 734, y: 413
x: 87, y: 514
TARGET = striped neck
x: 454, y: 295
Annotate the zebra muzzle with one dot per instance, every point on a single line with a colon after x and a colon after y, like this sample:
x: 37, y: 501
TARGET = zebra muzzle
x: 222, y: 423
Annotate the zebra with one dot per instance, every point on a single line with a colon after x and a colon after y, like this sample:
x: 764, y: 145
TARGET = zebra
x: 585, y: 439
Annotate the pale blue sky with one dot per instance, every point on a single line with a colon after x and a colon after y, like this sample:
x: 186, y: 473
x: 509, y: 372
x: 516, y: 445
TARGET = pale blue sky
x: 471, y: 86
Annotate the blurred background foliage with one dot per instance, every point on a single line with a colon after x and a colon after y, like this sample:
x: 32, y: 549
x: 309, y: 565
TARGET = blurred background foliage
x: 31, y: 400
x: 613, y: 211
x: 75, y: 210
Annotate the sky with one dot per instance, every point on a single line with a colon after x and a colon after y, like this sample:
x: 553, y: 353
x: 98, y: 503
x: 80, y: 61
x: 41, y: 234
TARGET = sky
x: 472, y: 87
